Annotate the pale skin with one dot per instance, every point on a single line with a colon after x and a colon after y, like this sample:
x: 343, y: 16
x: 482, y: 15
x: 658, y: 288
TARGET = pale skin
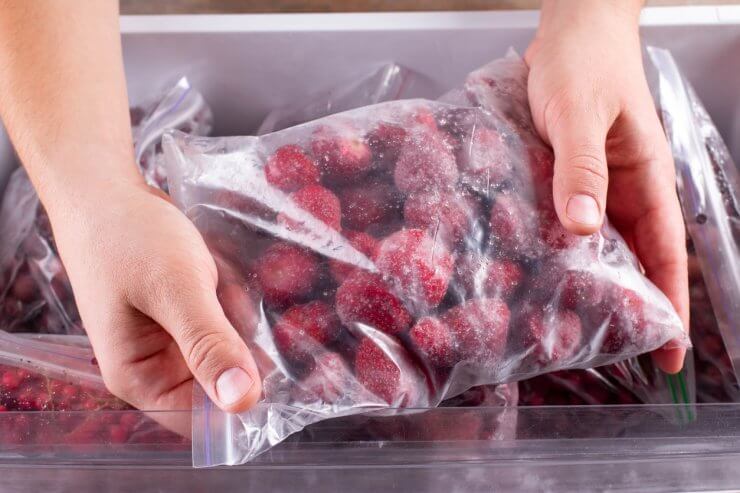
x: 142, y: 276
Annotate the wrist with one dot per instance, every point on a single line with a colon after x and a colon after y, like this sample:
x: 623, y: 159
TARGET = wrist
x: 556, y: 15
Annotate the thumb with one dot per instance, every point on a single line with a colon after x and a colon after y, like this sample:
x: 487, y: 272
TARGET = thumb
x: 217, y: 356
x: 580, y: 183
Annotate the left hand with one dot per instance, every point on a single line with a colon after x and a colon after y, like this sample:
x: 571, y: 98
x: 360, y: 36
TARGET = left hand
x: 590, y: 100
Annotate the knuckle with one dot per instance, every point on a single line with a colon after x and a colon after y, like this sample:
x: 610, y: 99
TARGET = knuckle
x: 202, y: 349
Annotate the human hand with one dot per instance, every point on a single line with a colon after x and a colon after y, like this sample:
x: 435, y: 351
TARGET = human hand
x: 145, y: 284
x: 590, y: 100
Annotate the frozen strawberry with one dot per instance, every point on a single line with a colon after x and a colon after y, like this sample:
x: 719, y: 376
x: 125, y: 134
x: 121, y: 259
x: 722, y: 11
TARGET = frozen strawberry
x: 365, y: 298
x: 550, y: 337
x: 24, y: 288
x: 377, y: 372
x: 458, y: 123
x: 425, y: 163
x: 319, y: 202
x: 541, y: 166
x: 369, y: 206
x: 290, y: 169
x: 343, y: 156
x: 363, y: 243
x: 448, y: 214
x: 424, y: 118
x: 417, y: 265
x: 578, y: 289
x: 479, y: 276
x: 385, y: 140
x: 303, y: 329
x: 434, y: 342
x: 286, y: 273
x: 480, y: 327
x: 487, y: 163
x: 514, y: 224
x: 329, y: 381
x: 442, y: 425
x: 626, y: 327
x: 554, y: 234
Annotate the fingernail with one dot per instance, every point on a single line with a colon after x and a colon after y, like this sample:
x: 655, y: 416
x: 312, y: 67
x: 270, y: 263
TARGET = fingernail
x: 233, y: 385
x: 583, y: 209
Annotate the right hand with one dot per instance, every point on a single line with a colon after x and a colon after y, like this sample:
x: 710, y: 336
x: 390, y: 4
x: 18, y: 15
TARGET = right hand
x: 145, y: 284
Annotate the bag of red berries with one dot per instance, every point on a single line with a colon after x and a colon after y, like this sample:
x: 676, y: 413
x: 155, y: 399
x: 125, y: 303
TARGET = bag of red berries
x: 400, y: 254
x: 709, y: 190
x: 35, y: 293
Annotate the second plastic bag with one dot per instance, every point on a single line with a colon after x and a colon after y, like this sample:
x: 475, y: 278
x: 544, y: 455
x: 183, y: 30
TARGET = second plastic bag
x: 400, y: 254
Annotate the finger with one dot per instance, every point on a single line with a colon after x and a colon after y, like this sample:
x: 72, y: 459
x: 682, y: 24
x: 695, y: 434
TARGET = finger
x: 578, y: 135
x: 187, y: 307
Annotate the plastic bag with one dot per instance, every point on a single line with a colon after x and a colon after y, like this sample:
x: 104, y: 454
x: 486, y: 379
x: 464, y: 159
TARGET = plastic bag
x: 709, y: 191
x: 35, y: 293
x: 383, y: 287
x: 387, y: 83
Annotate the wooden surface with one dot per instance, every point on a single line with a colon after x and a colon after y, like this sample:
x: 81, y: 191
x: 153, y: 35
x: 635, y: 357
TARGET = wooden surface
x: 260, y: 6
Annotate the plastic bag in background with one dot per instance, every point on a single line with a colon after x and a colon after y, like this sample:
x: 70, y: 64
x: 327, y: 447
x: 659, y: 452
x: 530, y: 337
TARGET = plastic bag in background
x: 59, y: 373
x: 709, y: 191
x: 35, y: 293
x: 402, y: 254
x: 388, y: 83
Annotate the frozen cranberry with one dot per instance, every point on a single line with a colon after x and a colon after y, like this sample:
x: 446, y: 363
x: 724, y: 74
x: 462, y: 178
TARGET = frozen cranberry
x: 550, y: 337
x: 319, y: 202
x: 369, y: 206
x: 479, y: 276
x: 451, y: 215
x: 480, y: 328
x: 343, y: 155
x: 363, y: 243
x: 425, y: 163
x: 287, y: 273
x: 417, y: 265
x: 303, y: 329
x: 377, y: 372
x: 385, y: 140
x: 290, y: 169
x: 486, y: 163
x: 365, y: 298
x: 434, y: 341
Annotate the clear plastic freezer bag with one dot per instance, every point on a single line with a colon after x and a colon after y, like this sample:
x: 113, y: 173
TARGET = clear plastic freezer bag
x: 400, y: 254
x: 709, y: 191
x: 35, y: 293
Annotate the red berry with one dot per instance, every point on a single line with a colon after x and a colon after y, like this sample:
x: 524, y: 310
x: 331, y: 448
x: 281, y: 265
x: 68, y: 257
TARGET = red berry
x: 513, y: 226
x: 286, y: 273
x: 10, y: 380
x: 550, y: 337
x: 365, y: 298
x: 385, y: 140
x: 24, y: 288
x: 342, y: 154
x: 329, y: 381
x: 417, y: 265
x: 377, y: 372
x: 434, y: 341
x: 626, y: 328
x: 486, y: 163
x: 480, y: 327
x: 451, y: 215
x: 553, y: 233
x: 363, y: 243
x: 578, y: 289
x: 118, y: 434
x: 479, y: 276
x: 130, y: 420
x: 290, y: 169
x: 425, y: 163
x: 369, y: 206
x: 320, y: 204
x: 304, y: 329
x: 541, y: 165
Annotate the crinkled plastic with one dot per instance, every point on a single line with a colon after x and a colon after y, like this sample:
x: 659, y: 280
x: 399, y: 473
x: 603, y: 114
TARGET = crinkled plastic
x: 35, y: 293
x: 400, y: 254
x: 387, y: 83
x: 709, y: 191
